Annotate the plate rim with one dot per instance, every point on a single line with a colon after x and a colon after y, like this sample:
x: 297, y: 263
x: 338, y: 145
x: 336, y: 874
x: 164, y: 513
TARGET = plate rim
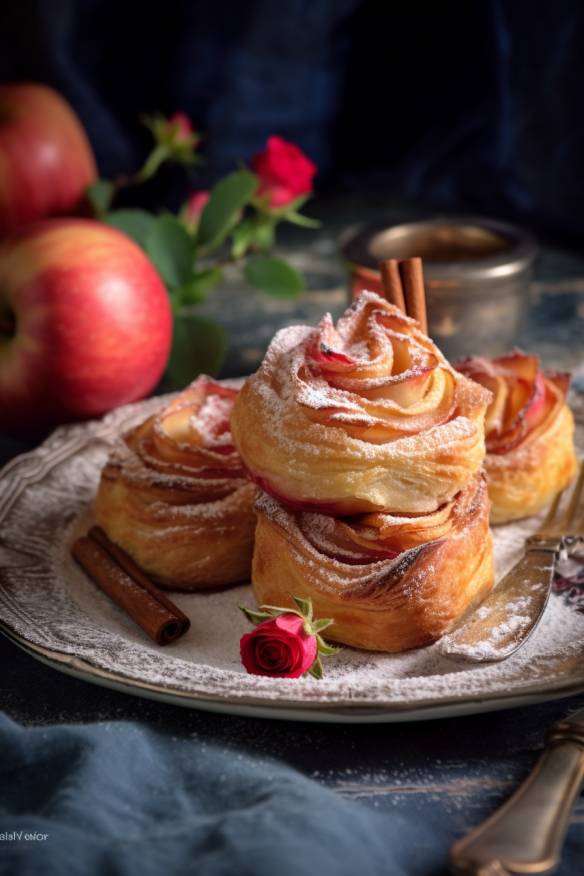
x: 70, y: 664
x: 31, y: 467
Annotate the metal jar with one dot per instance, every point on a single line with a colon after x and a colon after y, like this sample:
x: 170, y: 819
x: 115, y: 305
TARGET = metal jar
x: 477, y: 273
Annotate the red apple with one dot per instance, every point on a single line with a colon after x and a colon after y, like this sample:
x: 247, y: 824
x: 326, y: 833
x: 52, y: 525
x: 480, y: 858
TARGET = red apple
x: 46, y: 162
x: 85, y: 324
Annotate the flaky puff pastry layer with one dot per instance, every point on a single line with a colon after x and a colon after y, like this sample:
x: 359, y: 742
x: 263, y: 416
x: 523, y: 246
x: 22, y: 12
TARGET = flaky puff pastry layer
x: 529, y: 433
x: 390, y: 583
x: 174, y: 494
x: 363, y: 416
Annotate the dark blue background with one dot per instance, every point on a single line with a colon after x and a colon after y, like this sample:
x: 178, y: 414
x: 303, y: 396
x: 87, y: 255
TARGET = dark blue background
x: 473, y: 105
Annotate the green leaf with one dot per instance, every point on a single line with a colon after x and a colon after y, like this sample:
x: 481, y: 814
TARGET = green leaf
x: 324, y: 649
x: 296, y: 204
x: 303, y: 221
x: 198, y: 347
x: 275, y: 610
x: 265, y: 234
x: 228, y: 197
x: 186, y: 295
x: 316, y: 670
x: 172, y: 250
x: 256, y: 617
x: 135, y: 223
x: 195, y: 291
x: 278, y: 213
x: 100, y: 195
x: 274, y: 277
x: 242, y: 236
x: 319, y: 625
x: 254, y: 232
x: 305, y: 606
x: 209, y: 278
x: 155, y: 159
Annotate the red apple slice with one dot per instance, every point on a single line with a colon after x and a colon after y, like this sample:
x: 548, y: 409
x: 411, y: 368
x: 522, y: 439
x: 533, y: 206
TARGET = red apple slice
x: 194, y: 431
x: 560, y: 379
x: 529, y: 418
x: 495, y: 417
x: 517, y: 364
x: 330, y: 508
x: 521, y: 396
x: 326, y: 350
x: 338, y: 541
x: 330, y: 359
x: 365, y: 558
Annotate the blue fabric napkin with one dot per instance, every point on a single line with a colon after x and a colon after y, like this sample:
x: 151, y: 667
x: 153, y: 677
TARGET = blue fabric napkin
x: 118, y: 798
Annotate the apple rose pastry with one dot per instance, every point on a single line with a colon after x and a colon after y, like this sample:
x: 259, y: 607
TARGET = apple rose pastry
x: 529, y: 433
x: 363, y: 416
x: 391, y: 582
x: 174, y: 494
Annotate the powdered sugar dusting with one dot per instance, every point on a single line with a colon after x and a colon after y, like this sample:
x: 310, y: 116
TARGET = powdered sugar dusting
x: 393, y: 378
x: 46, y: 599
x: 373, y: 402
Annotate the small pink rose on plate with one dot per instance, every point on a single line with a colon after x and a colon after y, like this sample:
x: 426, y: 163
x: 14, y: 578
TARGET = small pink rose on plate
x: 286, y: 642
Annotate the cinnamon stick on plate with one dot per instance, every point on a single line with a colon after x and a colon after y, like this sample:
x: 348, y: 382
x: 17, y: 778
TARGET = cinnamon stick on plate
x: 403, y: 283
x: 115, y: 572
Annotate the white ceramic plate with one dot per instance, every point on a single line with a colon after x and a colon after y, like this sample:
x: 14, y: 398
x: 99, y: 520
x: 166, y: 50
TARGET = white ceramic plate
x: 51, y: 609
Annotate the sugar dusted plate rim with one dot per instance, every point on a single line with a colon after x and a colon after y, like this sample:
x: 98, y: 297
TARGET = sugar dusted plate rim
x: 28, y: 573
x: 293, y: 709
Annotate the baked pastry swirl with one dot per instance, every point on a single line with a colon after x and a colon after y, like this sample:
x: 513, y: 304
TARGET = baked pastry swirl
x: 529, y: 433
x: 363, y: 416
x: 174, y: 494
x: 391, y: 582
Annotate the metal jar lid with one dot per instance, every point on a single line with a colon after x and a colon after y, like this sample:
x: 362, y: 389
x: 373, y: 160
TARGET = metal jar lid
x: 462, y: 248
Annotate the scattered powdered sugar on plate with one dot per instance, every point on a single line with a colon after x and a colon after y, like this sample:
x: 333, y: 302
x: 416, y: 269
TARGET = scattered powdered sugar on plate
x: 45, y: 500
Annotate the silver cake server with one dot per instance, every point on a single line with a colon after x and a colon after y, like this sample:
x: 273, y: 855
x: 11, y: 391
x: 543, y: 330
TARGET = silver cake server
x: 511, y: 612
x: 527, y: 833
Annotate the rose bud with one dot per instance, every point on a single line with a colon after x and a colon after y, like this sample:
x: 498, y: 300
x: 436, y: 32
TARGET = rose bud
x: 279, y: 647
x: 175, y: 140
x: 285, y: 174
x: 181, y: 127
x: 286, y: 642
x: 192, y: 210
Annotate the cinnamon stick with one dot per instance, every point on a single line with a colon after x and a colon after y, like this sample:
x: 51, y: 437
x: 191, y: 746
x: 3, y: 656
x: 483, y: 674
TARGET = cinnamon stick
x: 392, y: 283
x: 412, y: 277
x: 403, y: 285
x: 114, y: 572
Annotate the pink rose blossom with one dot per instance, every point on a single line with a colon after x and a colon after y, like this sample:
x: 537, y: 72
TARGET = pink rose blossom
x: 285, y: 173
x: 196, y: 203
x: 279, y: 647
